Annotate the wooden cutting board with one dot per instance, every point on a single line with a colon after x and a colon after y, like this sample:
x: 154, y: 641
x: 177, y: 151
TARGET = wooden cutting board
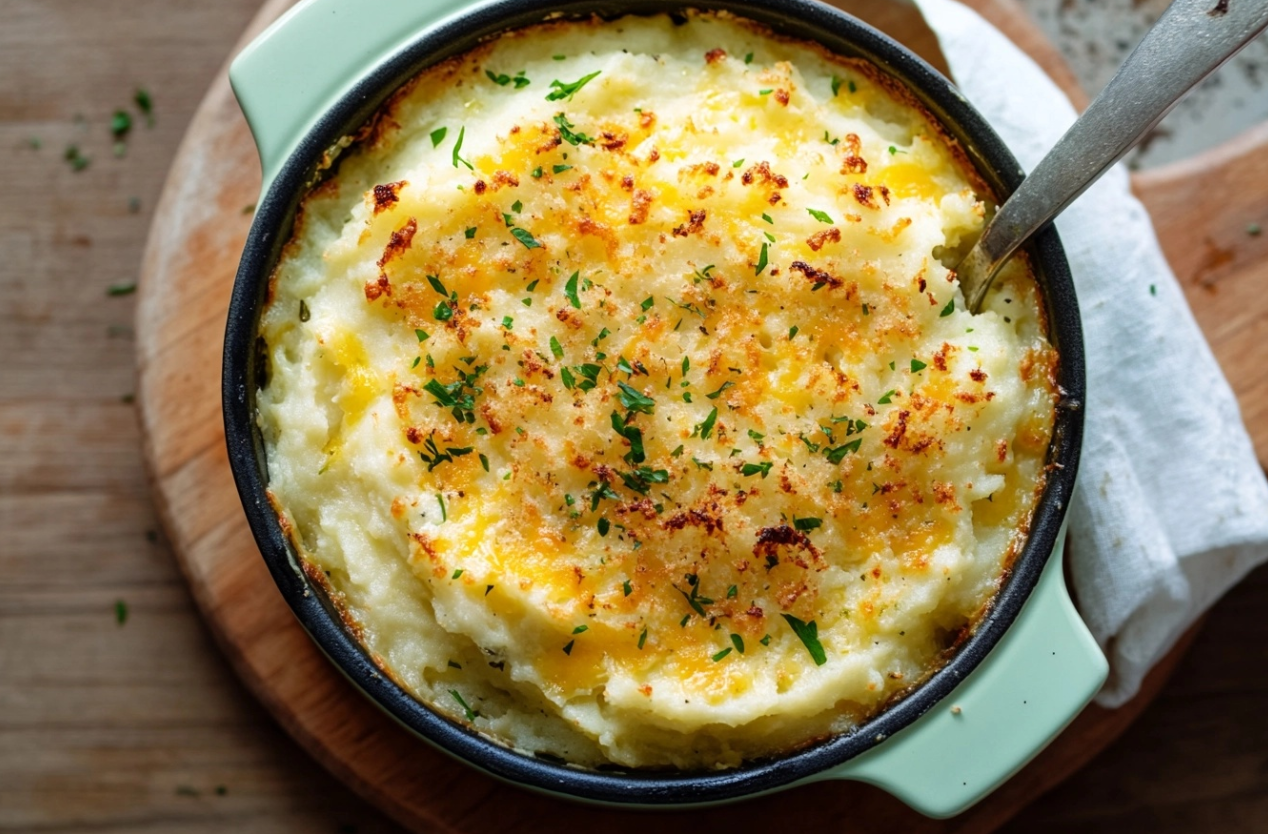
x: 1203, y: 211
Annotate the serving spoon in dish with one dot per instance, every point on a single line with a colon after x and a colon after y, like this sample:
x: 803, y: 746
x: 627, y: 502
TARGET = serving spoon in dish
x: 1189, y: 42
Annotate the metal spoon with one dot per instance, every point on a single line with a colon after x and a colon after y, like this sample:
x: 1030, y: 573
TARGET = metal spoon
x: 1189, y: 41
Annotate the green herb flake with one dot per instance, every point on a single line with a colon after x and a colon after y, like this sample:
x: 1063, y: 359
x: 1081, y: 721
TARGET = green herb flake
x: 852, y: 86
x: 792, y: 332
x: 737, y: 163
x: 836, y: 86
x: 635, y: 401
x: 457, y: 150
x: 444, y: 514
x: 917, y: 366
x: 809, y: 636
x: 732, y: 592
x: 762, y: 468
x: 765, y: 641
x: 556, y: 348
x: 821, y: 216
x: 120, y: 289
x: 642, y: 639
x: 438, y: 136
x: 805, y: 525
x: 77, y: 160
x: 1153, y: 289
x: 765, y: 92
x: 837, y: 454
x: 466, y: 710
x: 470, y: 232
x: 761, y: 261
x: 567, y: 133
x: 648, y: 303
x: 718, y: 393
x: 422, y: 335
x: 120, y: 124
x: 442, y: 311
x: 145, y: 104
x: 580, y: 629
x: 748, y: 59
x: 884, y: 400
x: 559, y: 169
x: 768, y: 219
x: 120, y: 611
x: 706, y: 428
x: 564, y: 91
x: 568, y: 648
x: 738, y: 642
x: 756, y: 435
x: 628, y: 589
x: 559, y: 57
x: 948, y: 310
x: 570, y: 290
x: 603, y: 526
x: 484, y: 461
x: 721, y: 654
x: 536, y: 173
x: 525, y: 237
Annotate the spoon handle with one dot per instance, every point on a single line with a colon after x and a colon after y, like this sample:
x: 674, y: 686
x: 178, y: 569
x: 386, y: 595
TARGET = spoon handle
x: 1188, y: 43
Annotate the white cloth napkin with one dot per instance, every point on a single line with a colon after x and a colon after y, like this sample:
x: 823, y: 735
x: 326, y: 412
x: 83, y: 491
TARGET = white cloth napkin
x: 1171, y: 508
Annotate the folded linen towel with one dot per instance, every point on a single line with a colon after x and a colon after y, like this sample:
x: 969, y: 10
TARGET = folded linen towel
x: 1171, y: 508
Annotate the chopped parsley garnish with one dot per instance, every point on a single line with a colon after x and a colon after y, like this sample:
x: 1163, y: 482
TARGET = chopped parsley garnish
x: 559, y: 169
x: 77, y: 160
x: 641, y: 479
x: 805, y: 525
x: 792, y: 332
x: 748, y: 59
x: 732, y: 592
x: 604, y: 491
x: 706, y: 428
x: 762, y: 468
x: 686, y: 365
x: 852, y: 87
x: 145, y: 104
x: 737, y: 163
x: 120, y: 124
x: 635, y: 401
x: 508, y: 322
x: 893, y: 150
x: 761, y: 261
x: 701, y: 464
x: 457, y: 148
x: 434, y: 280
x: 438, y: 136
x: 444, y: 514
x: 433, y: 456
x: 443, y: 312
x: 536, y: 173
x: 502, y: 79
x: 459, y: 396
x: 758, y: 436
x: 570, y: 290
x: 564, y: 91
x: 556, y: 348
x: 721, y: 654
x: 466, y: 710
x: 580, y: 629
x: 884, y: 400
x: 470, y: 232
x: 917, y: 366
x: 764, y: 92
x: 694, y: 599
x: 525, y: 237
x: 568, y: 648
x: 837, y: 454
x: 809, y: 635
x: 627, y: 588
x: 768, y: 219
x: 517, y: 206
x: 631, y: 433
x: 765, y: 641
x: 948, y: 310
x: 484, y: 461
x: 120, y: 611
x: 718, y: 393
x: 122, y: 289
x: 568, y: 135
x: 532, y: 286
x: 821, y: 216
x: 648, y: 303
x: 642, y: 638
x: 738, y: 642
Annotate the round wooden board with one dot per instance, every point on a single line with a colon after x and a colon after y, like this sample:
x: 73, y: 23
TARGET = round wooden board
x: 192, y: 254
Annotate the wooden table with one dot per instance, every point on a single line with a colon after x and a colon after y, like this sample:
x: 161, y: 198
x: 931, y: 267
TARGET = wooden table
x: 140, y: 725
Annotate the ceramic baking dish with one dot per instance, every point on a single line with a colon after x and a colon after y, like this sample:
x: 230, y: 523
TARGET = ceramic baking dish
x: 1029, y: 667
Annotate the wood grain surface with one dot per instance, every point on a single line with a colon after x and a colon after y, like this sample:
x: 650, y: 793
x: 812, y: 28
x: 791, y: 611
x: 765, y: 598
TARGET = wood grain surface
x: 141, y: 726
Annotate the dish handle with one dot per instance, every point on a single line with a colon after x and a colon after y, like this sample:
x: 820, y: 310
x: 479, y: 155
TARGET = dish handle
x: 1036, y: 680
x: 314, y: 53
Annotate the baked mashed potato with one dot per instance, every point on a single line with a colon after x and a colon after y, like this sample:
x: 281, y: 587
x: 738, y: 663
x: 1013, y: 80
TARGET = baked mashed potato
x: 620, y: 393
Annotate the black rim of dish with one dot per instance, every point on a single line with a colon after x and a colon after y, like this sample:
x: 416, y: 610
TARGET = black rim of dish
x: 803, y: 19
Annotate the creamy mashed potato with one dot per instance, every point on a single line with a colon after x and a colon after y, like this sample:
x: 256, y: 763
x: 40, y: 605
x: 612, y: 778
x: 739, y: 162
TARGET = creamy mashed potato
x: 619, y: 390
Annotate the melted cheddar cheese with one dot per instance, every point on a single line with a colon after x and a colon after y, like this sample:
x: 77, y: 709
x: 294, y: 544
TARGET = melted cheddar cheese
x: 619, y: 385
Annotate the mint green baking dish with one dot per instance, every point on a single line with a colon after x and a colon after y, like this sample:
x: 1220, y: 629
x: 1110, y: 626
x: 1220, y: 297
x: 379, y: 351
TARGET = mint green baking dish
x: 1029, y: 667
